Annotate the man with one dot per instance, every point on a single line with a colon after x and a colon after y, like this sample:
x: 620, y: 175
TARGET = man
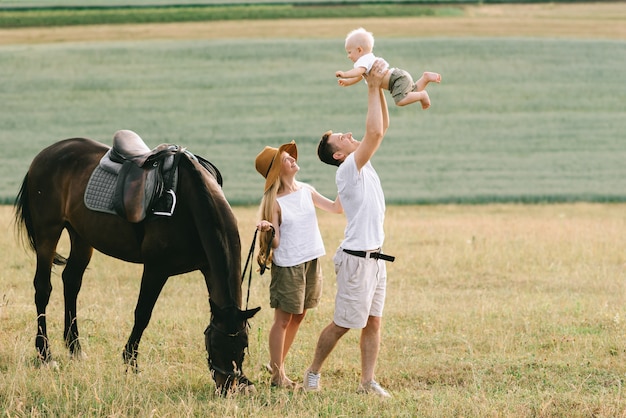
x: 361, y: 272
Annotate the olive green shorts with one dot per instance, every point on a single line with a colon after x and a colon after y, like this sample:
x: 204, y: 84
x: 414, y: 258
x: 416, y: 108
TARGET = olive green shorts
x: 400, y: 84
x: 294, y: 289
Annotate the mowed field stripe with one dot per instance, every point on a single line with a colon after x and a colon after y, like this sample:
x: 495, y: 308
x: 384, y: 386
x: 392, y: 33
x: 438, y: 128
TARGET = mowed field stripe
x: 586, y: 20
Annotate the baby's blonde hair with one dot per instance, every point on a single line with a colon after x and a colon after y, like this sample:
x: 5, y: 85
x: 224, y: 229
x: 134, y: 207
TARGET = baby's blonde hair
x: 361, y: 37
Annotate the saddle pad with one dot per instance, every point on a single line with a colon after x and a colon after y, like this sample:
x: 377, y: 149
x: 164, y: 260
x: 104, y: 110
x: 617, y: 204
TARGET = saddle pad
x: 100, y: 190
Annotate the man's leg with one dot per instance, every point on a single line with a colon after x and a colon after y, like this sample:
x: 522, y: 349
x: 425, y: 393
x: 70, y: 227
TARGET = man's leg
x: 325, y: 344
x: 370, y: 346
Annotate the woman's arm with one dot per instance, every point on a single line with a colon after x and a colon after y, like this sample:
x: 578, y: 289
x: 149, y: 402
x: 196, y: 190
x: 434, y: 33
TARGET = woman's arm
x: 265, y: 226
x: 325, y: 203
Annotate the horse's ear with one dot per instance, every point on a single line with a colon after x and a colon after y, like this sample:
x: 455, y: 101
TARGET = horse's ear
x: 218, y: 312
x: 250, y: 313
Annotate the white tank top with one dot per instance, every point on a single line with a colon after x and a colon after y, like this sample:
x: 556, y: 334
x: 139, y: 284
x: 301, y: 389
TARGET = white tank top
x: 300, y: 238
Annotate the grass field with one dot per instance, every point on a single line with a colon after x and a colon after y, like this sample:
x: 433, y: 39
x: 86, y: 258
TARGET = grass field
x: 90, y: 14
x: 497, y: 310
x: 492, y: 310
x: 517, y: 118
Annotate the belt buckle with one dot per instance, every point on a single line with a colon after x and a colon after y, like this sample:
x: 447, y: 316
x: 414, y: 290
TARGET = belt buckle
x: 368, y: 254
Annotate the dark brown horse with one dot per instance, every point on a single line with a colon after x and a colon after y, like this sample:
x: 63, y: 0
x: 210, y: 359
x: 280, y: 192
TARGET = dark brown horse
x: 201, y: 234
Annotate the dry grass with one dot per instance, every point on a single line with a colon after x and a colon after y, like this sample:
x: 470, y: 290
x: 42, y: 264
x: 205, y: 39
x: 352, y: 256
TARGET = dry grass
x: 496, y: 310
x: 560, y: 20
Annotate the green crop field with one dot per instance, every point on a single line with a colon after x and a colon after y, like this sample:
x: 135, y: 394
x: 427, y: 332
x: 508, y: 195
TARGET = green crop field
x: 513, y: 120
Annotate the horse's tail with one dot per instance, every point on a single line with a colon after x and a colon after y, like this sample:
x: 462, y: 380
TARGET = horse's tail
x: 24, y: 221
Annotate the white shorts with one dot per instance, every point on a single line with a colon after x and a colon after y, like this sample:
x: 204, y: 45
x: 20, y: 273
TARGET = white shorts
x: 361, y: 287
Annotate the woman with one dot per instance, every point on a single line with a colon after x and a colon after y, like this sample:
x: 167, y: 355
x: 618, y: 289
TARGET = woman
x: 288, y: 209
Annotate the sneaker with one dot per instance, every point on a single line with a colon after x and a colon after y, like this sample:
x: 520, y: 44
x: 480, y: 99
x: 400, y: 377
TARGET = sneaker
x: 373, y: 388
x: 311, y: 381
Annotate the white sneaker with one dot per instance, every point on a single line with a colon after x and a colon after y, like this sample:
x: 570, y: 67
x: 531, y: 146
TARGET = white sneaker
x: 311, y: 381
x: 373, y: 388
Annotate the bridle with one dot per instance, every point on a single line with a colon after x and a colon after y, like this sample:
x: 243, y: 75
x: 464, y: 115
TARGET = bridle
x: 208, y: 332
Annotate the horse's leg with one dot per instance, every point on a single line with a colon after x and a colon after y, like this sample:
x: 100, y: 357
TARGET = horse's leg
x: 152, y: 283
x: 80, y: 255
x: 43, y: 288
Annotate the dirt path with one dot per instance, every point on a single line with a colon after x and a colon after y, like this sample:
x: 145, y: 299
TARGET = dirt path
x: 587, y: 20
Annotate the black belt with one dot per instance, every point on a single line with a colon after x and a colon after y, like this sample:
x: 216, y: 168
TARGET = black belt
x: 371, y: 254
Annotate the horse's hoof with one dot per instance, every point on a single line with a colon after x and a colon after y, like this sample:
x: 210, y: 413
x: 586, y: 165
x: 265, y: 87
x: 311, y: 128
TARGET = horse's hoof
x: 248, y: 390
x: 52, y: 365
x: 132, y: 369
x: 78, y: 356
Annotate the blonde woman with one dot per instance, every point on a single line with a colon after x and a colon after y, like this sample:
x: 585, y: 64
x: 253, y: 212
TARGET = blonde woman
x: 288, y: 208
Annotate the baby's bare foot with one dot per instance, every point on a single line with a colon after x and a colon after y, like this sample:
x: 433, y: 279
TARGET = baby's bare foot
x: 432, y: 77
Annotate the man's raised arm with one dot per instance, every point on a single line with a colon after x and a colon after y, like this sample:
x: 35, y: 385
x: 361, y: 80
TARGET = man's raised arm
x: 377, y: 120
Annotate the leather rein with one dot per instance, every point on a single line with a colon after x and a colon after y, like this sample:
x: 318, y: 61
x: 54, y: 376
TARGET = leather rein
x: 251, y: 256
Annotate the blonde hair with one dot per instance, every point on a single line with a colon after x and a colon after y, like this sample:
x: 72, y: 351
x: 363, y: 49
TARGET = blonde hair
x: 361, y: 37
x: 266, y: 211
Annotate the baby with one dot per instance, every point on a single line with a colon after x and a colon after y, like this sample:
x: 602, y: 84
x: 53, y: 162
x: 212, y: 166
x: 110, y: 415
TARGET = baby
x: 359, y: 46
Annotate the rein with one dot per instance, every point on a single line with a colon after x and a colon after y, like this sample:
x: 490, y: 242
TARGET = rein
x: 249, y: 259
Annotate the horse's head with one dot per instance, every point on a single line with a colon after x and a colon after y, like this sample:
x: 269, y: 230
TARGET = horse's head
x: 226, y: 339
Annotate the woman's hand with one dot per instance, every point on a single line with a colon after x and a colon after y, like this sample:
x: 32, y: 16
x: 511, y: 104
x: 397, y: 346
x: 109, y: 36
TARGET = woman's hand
x: 264, y: 226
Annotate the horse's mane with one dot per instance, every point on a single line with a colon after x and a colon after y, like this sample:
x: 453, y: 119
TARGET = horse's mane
x: 216, y: 221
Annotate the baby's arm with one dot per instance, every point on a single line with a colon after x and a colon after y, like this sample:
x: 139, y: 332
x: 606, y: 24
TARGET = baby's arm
x: 345, y: 82
x: 355, y: 72
x: 348, y: 78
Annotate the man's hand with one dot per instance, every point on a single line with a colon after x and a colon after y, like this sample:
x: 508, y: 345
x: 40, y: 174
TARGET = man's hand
x: 377, y: 73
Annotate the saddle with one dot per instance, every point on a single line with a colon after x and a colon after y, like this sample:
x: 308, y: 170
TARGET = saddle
x: 135, y: 182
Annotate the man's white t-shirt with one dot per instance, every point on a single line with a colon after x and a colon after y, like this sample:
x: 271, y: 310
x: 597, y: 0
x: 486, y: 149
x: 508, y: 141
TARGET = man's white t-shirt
x: 363, y: 203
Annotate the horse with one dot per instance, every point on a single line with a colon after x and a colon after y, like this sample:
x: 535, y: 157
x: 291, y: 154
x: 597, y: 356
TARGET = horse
x: 201, y: 234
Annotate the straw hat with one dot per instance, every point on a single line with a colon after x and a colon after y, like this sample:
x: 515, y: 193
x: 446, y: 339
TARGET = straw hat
x: 266, y: 163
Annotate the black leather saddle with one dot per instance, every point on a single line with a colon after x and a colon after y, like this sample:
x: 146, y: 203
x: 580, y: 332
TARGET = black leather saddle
x: 134, y: 181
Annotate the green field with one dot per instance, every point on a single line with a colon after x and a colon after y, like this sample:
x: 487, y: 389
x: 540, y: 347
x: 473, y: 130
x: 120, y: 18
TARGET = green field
x: 23, y: 4
x: 64, y: 16
x: 515, y: 119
